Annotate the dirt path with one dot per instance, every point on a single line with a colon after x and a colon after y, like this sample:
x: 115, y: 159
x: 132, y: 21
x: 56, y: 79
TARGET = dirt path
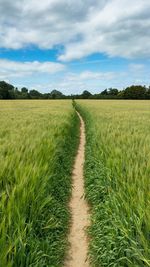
x: 77, y: 256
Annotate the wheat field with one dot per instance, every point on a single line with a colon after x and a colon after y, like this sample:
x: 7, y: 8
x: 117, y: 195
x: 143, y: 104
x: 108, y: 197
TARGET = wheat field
x: 117, y: 174
x: 35, y: 181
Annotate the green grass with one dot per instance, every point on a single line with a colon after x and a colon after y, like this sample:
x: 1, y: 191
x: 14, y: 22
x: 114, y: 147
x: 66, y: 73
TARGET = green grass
x: 35, y: 181
x: 117, y: 180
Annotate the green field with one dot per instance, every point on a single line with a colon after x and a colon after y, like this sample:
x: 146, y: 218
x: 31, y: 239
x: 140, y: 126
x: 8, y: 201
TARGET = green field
x: 117, y: 177
x: 38, y: 144
x: 35, y: 181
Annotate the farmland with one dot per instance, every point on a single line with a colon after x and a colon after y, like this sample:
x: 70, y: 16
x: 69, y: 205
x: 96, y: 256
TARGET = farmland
x: 38, y: 145
x: 117, y: 172
x: 35, y: 180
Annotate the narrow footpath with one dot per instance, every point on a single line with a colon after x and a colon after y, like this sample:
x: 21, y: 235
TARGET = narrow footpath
x: 78, y: 251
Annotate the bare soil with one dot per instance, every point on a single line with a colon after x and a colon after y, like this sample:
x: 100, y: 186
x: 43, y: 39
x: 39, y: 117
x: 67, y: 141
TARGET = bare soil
x: 78, y: 251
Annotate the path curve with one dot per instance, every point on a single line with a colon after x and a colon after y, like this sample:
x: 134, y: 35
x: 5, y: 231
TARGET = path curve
x: 78, y: 251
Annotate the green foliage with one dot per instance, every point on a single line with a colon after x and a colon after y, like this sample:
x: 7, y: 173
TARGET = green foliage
x: 117, y: 170
x: 110, y: 92
x: 8, y: 91
x: 135, y: 92
x: 55, y: 94
x: 86, y: 94
x: 35, y: 181
x: 34, y: 94
x: 24, y: 90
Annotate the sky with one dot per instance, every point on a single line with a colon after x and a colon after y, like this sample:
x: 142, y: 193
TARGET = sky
x: 73, y: 46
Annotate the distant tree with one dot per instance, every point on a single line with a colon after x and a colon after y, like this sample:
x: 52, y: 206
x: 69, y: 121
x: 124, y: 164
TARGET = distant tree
x: 55, y: 94
x: 135, y: 92
x: 113, y: 91
x: 46, y: 96
x: 148, y: 93
x: 17, y: 93
x: 6, y: 90
x: 34, y: 94
x: 24, y: 93
x: 121, y: 94
x: 86, y: 94
x: 97, y: 96
x: 105, y: 92
x: 24, y: 90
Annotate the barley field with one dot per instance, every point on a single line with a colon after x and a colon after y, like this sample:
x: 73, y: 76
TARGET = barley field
x: 35, y: 181
x: 117, y: 181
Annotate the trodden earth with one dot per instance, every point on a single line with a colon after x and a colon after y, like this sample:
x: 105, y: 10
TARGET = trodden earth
x: 78, y: 250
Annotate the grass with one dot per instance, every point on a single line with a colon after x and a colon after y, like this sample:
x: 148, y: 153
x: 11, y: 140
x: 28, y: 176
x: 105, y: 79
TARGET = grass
x: 117, y: 173
x: 35, y: 181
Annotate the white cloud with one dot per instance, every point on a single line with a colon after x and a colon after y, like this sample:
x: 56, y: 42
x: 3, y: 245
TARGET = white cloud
x: 90, y: 75
x: 86, y: 80
x: 121, y: 28
x: 9, y: 69
x: 76, y: 82
x: 117, y: 28
x: 137, y: 67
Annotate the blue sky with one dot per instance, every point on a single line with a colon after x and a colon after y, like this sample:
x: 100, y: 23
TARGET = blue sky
x: 74, y: 45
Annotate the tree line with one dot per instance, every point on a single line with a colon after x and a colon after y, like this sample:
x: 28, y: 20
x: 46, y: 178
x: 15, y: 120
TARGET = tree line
x: 8, y: 91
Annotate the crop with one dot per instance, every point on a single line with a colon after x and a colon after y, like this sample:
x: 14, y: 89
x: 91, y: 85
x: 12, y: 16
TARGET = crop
x: 117, y: 181
x: 38, y: 141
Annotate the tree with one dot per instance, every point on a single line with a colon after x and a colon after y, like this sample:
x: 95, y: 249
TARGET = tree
x: 113, y: 91
x: 135, y: 92
x: 34, y: 94
x: 86, y: 94
x: 46, y: 96
x: 24, y: 93
x: 55, y: 94
x: 24, y: 90
x: 105, y: 92
x: 148, y: 93
x: 6, y: 90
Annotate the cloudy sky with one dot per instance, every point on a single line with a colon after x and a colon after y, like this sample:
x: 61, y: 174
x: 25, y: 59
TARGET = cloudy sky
x: 75, y: 45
